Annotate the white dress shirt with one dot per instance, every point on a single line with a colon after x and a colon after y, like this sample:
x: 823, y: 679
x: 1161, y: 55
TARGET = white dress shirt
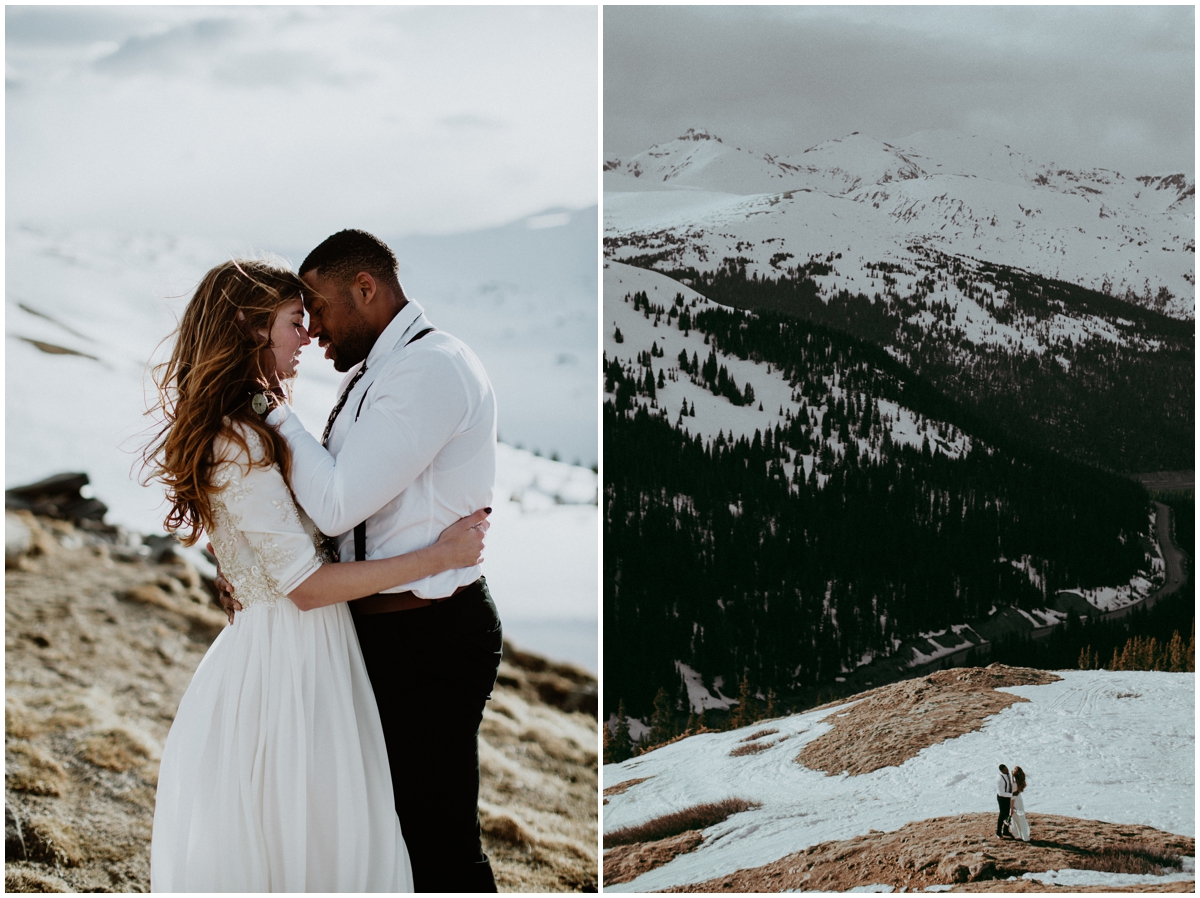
x: 421, y: 455
x: 1003, y: 786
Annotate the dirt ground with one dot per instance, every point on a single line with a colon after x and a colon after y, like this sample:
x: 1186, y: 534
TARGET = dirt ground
x: 100, y: 645
x: 887, y: 726
x: 960, y: 850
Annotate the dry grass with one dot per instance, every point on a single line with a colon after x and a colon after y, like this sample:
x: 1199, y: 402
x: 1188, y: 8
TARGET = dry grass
x: 1135, y: 857
x: 698, y: 817
x: 890, y: 724
x: 620, y: 788
x: 626, y: 863
x: 759, y: 735
x: 958, y: 850
x: 752, y: 749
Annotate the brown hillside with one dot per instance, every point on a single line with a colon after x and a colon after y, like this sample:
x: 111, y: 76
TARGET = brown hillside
x: 888, y: 725
x: 961, y: 850
x: 100, y: 645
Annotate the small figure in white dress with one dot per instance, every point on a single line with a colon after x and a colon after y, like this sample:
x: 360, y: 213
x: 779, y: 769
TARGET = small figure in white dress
x: 1018, y: 825
x: 274, y: 776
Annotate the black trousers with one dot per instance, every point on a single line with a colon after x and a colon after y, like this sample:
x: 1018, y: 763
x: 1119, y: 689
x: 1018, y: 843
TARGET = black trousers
x: 432, y: 670
x: 1005, y: 806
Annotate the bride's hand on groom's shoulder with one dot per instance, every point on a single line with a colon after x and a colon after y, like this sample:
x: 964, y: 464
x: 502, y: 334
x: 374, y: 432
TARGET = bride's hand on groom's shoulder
x: 463, y: 540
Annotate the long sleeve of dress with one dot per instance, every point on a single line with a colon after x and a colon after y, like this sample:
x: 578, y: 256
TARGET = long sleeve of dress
x: 418, y: 403
x: 276, y: 552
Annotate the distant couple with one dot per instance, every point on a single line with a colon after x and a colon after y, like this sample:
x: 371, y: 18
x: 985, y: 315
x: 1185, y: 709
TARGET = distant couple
x: 1009, y: 787
x: 330, y: 734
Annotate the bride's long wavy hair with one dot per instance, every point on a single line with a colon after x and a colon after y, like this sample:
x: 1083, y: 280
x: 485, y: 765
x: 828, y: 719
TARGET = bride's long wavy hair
x: 1019, y: 776
x: 216, y: 365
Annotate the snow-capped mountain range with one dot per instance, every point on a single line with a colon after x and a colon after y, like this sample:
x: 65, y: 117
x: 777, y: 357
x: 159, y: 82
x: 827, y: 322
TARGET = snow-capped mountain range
x: 697, y: 200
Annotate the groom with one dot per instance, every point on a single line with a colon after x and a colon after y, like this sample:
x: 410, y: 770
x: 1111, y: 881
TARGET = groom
x: 409, y: 448
x: 1004, y: 787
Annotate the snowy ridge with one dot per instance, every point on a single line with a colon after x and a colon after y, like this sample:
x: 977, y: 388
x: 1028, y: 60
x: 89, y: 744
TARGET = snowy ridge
x: 1068, y: 737
x: 715, y: 416
x: 962, y: 196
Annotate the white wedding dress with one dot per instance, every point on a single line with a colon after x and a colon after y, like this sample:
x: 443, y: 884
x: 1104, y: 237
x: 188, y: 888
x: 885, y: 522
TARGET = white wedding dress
x: 274, y: 776
x: 1020, y: 826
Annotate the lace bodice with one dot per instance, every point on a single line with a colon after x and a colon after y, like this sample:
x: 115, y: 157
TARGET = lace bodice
x: 265, y: 544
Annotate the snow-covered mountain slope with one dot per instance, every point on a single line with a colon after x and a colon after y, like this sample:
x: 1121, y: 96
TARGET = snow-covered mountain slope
x: 1111, y: 746
x: 84, y: 312
x: 650, y: 345
x: 960, y: 196
x: 710, y: 415
x: 523, y: 297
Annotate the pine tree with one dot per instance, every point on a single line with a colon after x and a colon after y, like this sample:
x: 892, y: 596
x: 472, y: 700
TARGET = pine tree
x: 1085, y: 658
x: 1176, y: 660
x: 662, y: 722
x: 618, y: 336
x: 622, y: 741
x: 745, y: 714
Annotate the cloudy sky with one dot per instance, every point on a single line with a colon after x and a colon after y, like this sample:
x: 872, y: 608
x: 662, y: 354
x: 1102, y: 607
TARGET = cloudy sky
x: 279, y: 125
x: 1082, y: 86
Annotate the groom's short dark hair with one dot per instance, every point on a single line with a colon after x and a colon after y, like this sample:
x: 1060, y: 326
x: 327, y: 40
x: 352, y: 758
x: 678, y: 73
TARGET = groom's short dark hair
x: 348, y: 252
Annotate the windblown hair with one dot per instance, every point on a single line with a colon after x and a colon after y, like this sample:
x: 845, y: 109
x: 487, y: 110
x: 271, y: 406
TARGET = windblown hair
x: 348, y: 252
x: 1019, y: 778
x: 205, y: 388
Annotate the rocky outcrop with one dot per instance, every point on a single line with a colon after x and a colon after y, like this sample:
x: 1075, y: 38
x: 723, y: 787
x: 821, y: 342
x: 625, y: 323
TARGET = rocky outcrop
x: 102, y: 633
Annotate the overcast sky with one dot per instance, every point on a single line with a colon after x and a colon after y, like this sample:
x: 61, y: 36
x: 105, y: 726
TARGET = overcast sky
x: 282, y: 124
x: 1082, y: 86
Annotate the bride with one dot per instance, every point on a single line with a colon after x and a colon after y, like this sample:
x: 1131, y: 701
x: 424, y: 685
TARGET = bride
x: 1020, y: 826
x: 274, y: 776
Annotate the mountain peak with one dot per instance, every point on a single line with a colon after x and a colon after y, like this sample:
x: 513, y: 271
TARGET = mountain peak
x: 701, y: 134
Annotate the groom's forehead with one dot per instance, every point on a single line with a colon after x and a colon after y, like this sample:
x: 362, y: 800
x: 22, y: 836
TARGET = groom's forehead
x: 317, y: 290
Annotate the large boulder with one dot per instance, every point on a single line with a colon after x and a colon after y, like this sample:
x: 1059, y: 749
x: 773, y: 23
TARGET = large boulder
x: 59, y: 496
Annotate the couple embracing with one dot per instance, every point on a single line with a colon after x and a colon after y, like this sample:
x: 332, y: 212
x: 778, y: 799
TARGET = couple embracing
x: 329, y: 738
x: 1009, y: 788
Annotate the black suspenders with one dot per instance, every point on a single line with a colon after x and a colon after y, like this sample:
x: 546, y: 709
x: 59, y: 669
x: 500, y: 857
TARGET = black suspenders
x: 360, y: 531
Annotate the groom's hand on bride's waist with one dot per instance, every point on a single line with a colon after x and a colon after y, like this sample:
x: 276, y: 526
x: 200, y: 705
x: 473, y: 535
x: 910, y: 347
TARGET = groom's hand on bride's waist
x: 224, y: 590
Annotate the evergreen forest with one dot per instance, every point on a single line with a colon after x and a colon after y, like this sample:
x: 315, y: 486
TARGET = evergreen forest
x: 729, y: 556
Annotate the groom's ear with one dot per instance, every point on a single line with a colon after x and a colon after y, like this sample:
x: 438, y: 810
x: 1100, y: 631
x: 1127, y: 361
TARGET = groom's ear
x: 363, y: 288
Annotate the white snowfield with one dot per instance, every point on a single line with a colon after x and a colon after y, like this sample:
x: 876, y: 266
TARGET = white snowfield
x: 111, y: 298
x: 1113, y: 746
x: 875, y: 202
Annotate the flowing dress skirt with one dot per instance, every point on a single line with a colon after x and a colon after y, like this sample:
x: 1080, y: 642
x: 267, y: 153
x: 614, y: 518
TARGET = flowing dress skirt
x: 274, y: 776
x: 1020, y: 826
